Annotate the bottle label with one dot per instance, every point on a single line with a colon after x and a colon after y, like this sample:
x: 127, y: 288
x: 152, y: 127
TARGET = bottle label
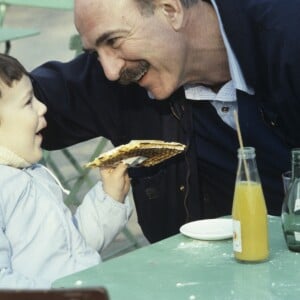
x: 297, y: 205
x: 297, y: 236
x: 237, y: 236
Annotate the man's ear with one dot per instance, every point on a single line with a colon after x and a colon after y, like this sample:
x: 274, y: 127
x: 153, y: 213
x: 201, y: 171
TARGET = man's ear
x: 173, y: 11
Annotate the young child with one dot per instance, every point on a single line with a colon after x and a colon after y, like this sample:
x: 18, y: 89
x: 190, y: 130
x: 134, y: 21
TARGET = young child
x: 40, y: 240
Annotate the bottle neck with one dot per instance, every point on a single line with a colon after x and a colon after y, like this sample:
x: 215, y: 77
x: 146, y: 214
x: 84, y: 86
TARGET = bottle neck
x: 247, y: 169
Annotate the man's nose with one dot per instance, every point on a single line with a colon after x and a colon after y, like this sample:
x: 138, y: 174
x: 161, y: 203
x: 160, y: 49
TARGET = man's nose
x: 111, y: 63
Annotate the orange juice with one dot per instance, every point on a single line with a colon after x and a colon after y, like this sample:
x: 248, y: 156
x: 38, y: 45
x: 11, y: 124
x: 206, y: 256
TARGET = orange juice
x: 250, y: 225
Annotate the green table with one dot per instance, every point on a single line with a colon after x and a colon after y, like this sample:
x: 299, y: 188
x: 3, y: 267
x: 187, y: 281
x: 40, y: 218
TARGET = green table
x: 187, y: 269
x: 56, y: 4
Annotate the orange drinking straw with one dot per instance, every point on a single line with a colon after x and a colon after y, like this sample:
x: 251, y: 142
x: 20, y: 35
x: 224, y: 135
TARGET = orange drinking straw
x: 241, y: 142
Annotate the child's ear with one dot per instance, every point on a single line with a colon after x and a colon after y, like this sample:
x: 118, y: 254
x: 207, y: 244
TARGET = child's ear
x: 173, y: 11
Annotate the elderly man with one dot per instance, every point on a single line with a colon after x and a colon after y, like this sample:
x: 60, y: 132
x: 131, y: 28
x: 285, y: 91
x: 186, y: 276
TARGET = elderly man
x: 204, y: 60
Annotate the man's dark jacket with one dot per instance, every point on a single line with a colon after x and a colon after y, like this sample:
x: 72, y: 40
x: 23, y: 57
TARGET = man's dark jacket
x: 82, y: 104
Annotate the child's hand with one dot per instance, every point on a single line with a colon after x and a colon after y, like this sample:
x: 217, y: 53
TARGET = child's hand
x: 116, y: 182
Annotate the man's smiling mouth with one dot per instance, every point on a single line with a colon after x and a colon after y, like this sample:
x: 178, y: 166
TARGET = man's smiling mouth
x: 134, y: 74
x: 139, y: 77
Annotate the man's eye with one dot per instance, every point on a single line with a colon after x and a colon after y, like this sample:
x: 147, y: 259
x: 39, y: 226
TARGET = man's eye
x: 112, y: 42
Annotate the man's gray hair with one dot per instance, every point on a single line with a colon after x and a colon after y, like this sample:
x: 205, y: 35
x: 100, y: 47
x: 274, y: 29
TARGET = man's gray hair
x: 147, y: 7
x: 188, y: 3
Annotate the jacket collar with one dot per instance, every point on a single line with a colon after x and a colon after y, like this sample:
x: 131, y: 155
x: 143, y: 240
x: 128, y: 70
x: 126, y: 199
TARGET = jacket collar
x: 9, y: 158
x: 240, y: 36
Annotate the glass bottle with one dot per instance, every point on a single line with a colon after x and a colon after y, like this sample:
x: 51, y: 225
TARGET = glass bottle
x: 249, y: 212
x: 290, y: 216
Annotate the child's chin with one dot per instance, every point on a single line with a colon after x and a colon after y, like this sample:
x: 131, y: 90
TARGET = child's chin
x: 37, y: 159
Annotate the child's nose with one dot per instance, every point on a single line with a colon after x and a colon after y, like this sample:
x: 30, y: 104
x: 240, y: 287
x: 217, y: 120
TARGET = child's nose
x: 41, y: 107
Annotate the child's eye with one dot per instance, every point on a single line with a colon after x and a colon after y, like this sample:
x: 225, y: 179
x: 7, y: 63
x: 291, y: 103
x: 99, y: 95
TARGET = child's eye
x: 29, y: 101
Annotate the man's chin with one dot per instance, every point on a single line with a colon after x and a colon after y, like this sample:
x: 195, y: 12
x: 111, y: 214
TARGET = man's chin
x: 158, y: 95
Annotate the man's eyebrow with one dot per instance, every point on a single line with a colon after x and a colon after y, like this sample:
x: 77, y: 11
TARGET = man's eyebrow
x: 99, y: 41
x: 105, y: 36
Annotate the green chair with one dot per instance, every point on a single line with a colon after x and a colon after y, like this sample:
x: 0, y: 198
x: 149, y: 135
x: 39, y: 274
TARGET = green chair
x: 75, y: 44
x: 73, y: 183
x: 8, y: 34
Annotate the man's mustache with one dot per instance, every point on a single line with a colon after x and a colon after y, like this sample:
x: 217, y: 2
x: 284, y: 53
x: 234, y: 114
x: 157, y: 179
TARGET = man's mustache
x: 129, y: 75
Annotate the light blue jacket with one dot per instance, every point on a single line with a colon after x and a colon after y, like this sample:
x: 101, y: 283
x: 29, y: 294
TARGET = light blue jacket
x: 40, y: 240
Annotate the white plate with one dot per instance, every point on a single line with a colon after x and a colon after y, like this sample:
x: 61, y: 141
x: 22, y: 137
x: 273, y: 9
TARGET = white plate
x: 208, y: 229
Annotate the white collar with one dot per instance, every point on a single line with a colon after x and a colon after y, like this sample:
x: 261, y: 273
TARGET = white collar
x: 227, y: 93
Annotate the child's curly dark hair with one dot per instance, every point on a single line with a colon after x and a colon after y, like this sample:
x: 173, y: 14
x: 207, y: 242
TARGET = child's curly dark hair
x: 10, y: 70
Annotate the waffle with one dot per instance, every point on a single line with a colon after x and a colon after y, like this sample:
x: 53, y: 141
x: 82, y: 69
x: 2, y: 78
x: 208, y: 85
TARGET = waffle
x: 147, y: 152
